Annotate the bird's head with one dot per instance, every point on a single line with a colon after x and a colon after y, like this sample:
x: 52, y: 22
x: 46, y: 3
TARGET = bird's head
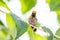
x: 33, y: 13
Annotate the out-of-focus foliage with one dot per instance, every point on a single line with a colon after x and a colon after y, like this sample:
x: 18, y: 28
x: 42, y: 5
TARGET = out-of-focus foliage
x: 3, y: 31
x: 55, y: 6
x: 1, y: 23
x: 37, y: 24
x: 34, y: 36
x: 3, y: 4
x: 56, y: 38
x: 48, y: 1
x: 39, y: 37
x: 30, y: 32
x: 17, y: 27
x: 21, y: 25
x: 11, y: 25
x: 48, y: 31
x: 57, y: 34
x: 27, y: 5
x: 8, y: 0
x: 58, y: 15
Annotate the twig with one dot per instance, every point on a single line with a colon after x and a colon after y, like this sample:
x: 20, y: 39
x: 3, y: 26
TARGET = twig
x: 3, y: 11
x: 37, y: 28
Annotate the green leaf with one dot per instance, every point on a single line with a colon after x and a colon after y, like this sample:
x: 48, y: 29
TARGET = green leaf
x: 3, y: 28
x: 3, y: 4
x: 2, y: 36
x: 11, y: 38
x: 11, y: 25
x: 8, y: 0
x: 21, y: 25
x: 48, y: 1
x: 1, y: 23
x: 27, y: 5
x: 30, y: 32
x: 49, y: 31
x: 38, y: 37
x: 3, y: 31
x: 55, y: 6
x: 34, y: 36
x: 58, y: 15
x: 58, y: 32
x: 57, y: 37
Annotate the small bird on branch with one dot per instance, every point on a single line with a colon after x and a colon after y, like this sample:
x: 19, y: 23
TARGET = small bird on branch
x: 33, y: 20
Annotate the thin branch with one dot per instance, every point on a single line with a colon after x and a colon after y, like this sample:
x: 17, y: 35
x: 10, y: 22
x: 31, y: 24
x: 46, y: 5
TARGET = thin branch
x: 37, y: 28
x: 58, y: 37
x: 3, y: 11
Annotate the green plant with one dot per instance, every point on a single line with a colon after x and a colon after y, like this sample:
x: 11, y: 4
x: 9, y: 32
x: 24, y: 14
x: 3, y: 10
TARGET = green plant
x: 17, y: 27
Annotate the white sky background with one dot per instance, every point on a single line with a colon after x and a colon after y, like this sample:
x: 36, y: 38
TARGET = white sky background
x: 44, y: 16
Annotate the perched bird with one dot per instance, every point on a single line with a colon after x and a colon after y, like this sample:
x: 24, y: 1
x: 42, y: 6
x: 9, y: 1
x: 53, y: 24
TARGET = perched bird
x: 33, y: 20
